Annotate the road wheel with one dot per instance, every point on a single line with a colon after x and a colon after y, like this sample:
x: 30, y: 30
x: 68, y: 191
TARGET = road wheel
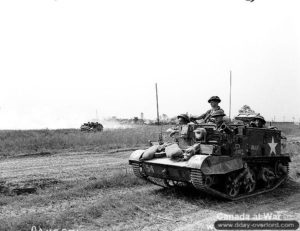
x: 232, y: 187
x: 250, y: 182
x: 208, y: 181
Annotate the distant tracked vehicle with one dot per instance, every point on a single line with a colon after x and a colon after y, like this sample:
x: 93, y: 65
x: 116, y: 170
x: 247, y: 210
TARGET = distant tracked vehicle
x: 91, y: 127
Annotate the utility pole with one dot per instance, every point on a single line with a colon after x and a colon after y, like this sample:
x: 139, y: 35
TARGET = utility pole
x: 230, y: 97
x: 157, y: 104
x: 97, y: 115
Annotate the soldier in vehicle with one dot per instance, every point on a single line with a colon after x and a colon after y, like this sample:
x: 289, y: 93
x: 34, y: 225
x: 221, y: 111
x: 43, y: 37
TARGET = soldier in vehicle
x: 221, y: 122
x: 200, y: 135
x: 206, y: 117
x: 183, y: 119
x: 258, y: 121
x: 218, y: 118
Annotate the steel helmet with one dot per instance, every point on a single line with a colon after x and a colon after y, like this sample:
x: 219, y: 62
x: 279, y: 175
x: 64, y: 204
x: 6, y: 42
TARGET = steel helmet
x: 214, y: 98
x: 259, y: 117
x: 184, y: 116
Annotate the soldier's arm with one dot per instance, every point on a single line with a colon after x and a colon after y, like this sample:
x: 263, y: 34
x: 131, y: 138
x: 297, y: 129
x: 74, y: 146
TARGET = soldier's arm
x: 201, y: 116
x: 189, y: 152
x: 173, y: 131
x: 204, y: 115
x: 193, y: 149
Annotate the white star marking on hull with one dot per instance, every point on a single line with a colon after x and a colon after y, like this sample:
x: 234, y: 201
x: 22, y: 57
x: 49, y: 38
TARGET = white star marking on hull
x: 272, y: 146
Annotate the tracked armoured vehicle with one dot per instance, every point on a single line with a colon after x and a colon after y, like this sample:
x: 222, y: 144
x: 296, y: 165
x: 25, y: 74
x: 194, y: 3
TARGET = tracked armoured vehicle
x: 91, y: 127
x: 234, y: 162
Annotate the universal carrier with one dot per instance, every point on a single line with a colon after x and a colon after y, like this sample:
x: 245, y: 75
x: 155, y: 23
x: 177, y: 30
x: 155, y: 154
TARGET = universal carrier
x: 237, y: 162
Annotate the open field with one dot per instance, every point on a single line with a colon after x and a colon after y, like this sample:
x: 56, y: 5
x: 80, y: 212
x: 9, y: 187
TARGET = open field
x: 92, y: 189
x: 30, y: 142
x: 47, y: 142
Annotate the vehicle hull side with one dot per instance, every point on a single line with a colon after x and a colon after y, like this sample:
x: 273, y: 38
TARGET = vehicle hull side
x: 221, y: 165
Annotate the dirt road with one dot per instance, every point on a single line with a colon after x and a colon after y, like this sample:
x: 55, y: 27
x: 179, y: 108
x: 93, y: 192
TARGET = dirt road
x: 97, y: 191
x: 63, y: 166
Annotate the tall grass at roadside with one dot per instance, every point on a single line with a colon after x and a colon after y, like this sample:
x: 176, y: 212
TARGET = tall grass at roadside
x: 66, y: 190
x: 37, y: 141
x: 14, y: 142
x: 111, y: 209
x: 68, y: 218
x: 132, y: 209
x: 288, y: 129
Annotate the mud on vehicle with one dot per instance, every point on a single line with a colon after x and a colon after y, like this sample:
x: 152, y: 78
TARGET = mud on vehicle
x: 235, y: 162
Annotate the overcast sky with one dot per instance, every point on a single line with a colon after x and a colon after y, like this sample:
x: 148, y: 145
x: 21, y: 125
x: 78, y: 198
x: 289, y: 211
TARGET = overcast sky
x: 61, y: 61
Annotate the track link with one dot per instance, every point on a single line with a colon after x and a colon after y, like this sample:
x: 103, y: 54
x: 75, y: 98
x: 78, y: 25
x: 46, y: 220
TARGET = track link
x: 137, y: 170
x: 288, y: 168
x: 197, y: 180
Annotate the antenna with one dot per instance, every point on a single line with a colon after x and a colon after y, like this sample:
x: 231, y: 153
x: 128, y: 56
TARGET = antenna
x: 157, y: 104
x: 160, y: 136
x: 230, y: 97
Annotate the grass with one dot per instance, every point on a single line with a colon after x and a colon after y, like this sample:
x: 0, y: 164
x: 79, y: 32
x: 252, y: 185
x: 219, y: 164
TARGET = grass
x: 44, y: 141
x: 67, y: 219
x: 136, y: 209
x: 288, y: 129
x: 294, y: 150
x: 112, y: 208
x: 65, y: 190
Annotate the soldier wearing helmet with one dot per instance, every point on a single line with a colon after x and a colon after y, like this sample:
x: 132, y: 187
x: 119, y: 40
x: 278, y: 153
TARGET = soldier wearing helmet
x: 218, y: 118
x: 214, y: 102
x: 258, y: 121
x: 182, y: 119
x: 200, y: 135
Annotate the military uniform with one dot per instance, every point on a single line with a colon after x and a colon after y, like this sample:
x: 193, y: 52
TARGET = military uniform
x: 219, y: 123
x: 177, y: 129
x: 207, y: 115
